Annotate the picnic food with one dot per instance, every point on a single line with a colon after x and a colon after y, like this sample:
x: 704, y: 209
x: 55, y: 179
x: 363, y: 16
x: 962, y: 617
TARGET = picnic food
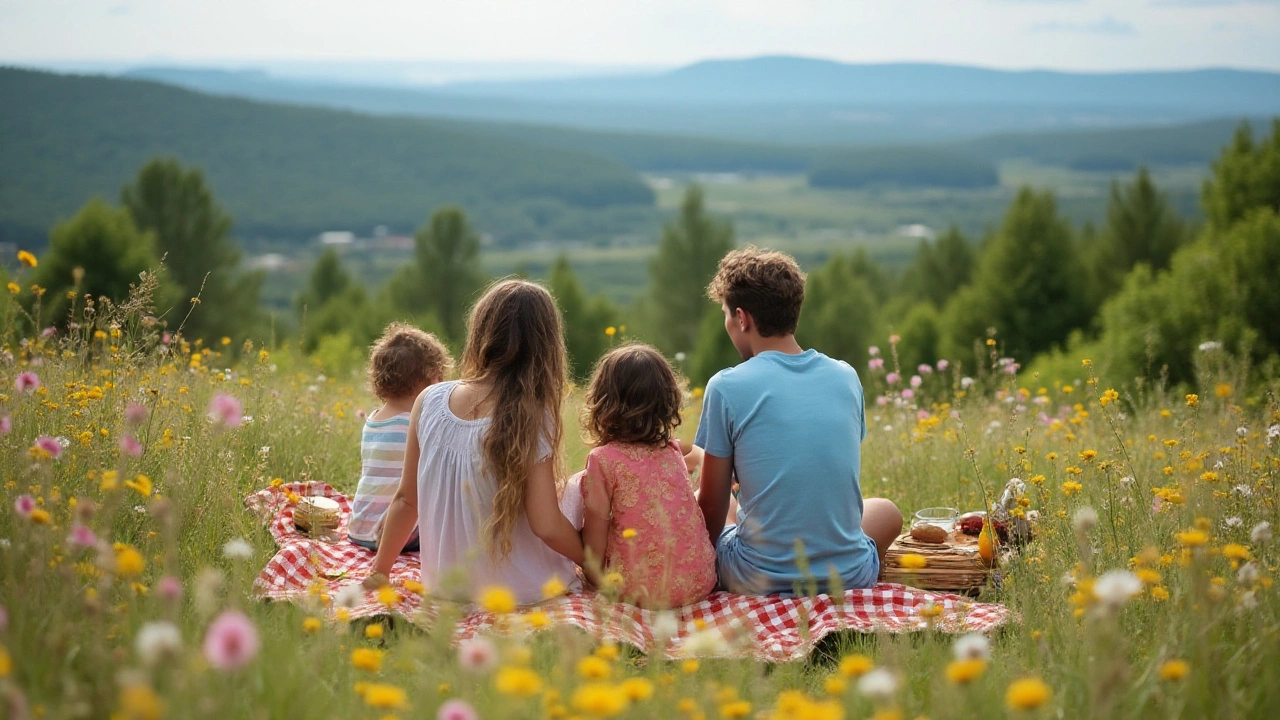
x: 925, y: 532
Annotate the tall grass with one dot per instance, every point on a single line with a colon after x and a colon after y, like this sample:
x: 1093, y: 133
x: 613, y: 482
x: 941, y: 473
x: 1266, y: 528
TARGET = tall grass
x: 1161, y: 471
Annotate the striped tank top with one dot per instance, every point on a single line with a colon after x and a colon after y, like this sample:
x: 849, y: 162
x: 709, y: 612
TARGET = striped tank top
x: 382, y: 462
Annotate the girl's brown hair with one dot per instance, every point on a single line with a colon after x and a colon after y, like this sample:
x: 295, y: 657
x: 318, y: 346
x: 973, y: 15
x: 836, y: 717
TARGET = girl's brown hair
x: 634, y: 397
x: 515, y: 344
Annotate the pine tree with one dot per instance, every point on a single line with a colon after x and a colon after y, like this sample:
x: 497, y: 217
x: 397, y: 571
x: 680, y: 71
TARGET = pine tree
x: 192, y: 234
x: 840, y: 315
x: 713, y: 351
x: 690, y: 251
x: 1141, y: 227
x: 445, y: 274
x: 939, y: 268
x: 585, y: 319
x: 1246, y: 177
x: 1026, y: 285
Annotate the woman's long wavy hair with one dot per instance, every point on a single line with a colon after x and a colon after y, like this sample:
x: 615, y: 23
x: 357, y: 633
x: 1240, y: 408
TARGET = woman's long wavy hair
x: 515, y: 344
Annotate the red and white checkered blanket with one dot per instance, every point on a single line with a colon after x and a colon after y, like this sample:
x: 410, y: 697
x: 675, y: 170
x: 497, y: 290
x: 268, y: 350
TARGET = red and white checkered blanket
x: 764, y: 628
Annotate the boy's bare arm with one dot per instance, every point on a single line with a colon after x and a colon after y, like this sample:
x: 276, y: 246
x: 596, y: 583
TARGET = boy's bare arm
x: 714, y: 492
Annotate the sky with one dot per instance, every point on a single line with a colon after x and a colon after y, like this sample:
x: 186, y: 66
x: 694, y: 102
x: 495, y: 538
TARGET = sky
x: 1088, y: 35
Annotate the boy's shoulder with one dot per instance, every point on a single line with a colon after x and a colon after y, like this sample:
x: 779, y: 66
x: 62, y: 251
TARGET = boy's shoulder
x: 764, y: 367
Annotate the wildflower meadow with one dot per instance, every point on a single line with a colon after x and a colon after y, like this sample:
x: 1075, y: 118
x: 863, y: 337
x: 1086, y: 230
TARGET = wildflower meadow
x: 1146, y: 589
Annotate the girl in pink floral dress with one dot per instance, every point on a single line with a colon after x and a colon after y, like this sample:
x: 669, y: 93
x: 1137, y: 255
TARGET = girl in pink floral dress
x: 643, y: 532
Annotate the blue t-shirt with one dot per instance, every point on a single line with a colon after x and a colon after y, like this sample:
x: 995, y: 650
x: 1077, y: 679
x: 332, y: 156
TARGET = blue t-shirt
x: 794, y: 426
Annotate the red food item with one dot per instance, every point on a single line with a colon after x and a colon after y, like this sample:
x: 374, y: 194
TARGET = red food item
x: 972, y: 525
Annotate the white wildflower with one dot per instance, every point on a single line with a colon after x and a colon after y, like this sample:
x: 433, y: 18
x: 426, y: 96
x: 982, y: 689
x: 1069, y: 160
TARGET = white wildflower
x: 1243, y: 490
x: 879, y: 685
x: 680, y: 356
x: 972, y: 647
x: 705, y: 643
x: 1085, y: 519
x: 349, y: 596
x: 665, y: 626
x: 1248, y: 574
x: 966, y: 383
x: 237, y: 549
x: 1233, y: 522
x: 1114, y: 588
x: 158, y: 641
x: 1210, y: 345
x: 1248, y: 601
x: 1261, y: 533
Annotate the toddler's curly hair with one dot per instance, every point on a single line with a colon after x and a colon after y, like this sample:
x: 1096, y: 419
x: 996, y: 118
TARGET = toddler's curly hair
x: 634, y: 397
x: 404, y: 360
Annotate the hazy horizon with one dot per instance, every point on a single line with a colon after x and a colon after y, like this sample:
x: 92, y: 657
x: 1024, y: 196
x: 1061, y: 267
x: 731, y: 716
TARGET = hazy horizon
x: 564, y: 37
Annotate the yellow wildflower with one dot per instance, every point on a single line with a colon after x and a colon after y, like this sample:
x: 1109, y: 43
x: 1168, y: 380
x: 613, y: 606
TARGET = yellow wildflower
x: 1222, y: 390
x: 1174, y: 670
x: 1236, y: 552
x: 129, y: 562
x: 599, y: 700
x: 1193, y: 400
x: 1159, y: 593
x: 141, y: 484
x: 517, y: 681
x: 27, y: 259
x: 15, y: 288
x: 1071, y: 487
x: 1192, y: 538
x: 553, y: 588
x: 611, y: 331
x: 373, y: 631
x: 140, y: 702
x: 382, y: 696
x: 689, y: 667
x: 593, y: 668
x: 1027, y: 694
x: 498, y: 600
x: 366, y: 659
x: 965, y: 671
x: 853, y: 666
x: 388, y: 596
x: 735, y: 710
x: 39, y: 516
x: 311, y: 624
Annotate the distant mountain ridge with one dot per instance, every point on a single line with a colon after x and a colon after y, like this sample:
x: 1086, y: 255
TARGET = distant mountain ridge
x: 793, y: 101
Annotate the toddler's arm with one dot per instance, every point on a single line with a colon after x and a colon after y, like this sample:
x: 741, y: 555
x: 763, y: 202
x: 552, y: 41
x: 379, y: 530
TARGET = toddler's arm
x: 402, y: 516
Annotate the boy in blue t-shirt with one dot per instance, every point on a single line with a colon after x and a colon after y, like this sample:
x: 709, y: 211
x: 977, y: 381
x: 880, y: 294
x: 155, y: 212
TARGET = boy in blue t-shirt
x: 789, y: 424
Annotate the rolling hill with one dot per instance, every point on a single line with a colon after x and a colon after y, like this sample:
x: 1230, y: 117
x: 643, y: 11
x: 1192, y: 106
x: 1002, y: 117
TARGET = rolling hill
x: 290, y: 172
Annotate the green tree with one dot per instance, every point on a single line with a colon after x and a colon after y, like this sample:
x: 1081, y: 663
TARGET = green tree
x: 336, y: 312
x: 921, y: 336
x: 691, y: 248
x: 99, y: 252
x: 328, y: 279
x: 445, y: 274
x: 1141, y: 227
x: 585, y: 319
x: 1245, y: 177
x: 939, y: 268
x: 840, y: 315
x: 1026, y: 285
x: 192, y: 234
x: 713, y: 351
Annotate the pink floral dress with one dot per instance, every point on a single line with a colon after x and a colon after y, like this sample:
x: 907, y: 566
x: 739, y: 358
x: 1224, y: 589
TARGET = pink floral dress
x: 668, y: 561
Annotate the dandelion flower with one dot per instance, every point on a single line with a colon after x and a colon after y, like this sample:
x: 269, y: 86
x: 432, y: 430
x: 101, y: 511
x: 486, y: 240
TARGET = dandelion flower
x: 1027, y: 694
x: 1192, y: 538
x: 1236, y: 552
x: 553, y: 588
x: 878, y: 685
x: 517, y: 682
x: 735, y: 710
x: 141, y: 485
x: 1084, y: 519
x: 963, y: 672
x: 27, y: 259
x: 311, y: 625
x: 1174, y: 670
x: 593, y: 668
x: 477, y: 655
x: 157, y: 642
x: 387, y: 596
x: 457, y: 709
x: 129, y: 562
x: 27, y: 382
x: 231, y: 641
x: 1261, y: 533
x: 498, y: 600
x: 855, y: 666
x: 366, y: 659
x: 1115, y: 587
x: 384, y: 697
x: 972, y: 646
x: 237, y: 549
x: 637, y: 689
x: 373, y: 631
x: 600, y: 700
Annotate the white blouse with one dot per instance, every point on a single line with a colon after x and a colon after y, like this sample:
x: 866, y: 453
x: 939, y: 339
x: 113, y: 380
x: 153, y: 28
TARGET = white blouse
x: 455, y: 500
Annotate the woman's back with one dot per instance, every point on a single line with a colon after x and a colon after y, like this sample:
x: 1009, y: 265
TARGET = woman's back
x: 455, y: 502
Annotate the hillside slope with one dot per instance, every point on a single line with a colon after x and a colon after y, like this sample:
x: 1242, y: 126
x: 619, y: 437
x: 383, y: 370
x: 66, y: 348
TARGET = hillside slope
x: 290, y: 172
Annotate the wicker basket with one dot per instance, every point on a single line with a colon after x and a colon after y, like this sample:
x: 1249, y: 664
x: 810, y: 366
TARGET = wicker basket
x: 316, y: 515
x: 953, y: 566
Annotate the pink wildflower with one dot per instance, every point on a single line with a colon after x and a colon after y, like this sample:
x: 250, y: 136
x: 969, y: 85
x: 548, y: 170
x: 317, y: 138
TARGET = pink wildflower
x: 82, y: 536
x: 135, y: 414
x: 876, y: 363
x: 24, y: 505
x: 892, y: 378
x: 169, y: 588
x: 166, y: 338
x: 894, y: 339
x: 48, y: 332
x: 4, y: 618
x: 27, y: 382
x: 456, y: 710
x: 942, y: 365
x: 873, y: 351
x: 924, y: 369
x: 231, y: 641
x: 908, y: 393
x: 6, y: 425
x: 882, y: 401
x: 226, y: 409
x: 916, y: 380
x: 49, y: 445
x: 130, y: 446
x: 477, y: 655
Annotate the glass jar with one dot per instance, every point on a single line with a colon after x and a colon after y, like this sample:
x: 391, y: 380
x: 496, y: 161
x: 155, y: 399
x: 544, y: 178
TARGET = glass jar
x: 943, y: 517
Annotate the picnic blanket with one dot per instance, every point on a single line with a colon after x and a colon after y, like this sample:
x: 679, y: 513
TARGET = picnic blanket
x: 772, y: 628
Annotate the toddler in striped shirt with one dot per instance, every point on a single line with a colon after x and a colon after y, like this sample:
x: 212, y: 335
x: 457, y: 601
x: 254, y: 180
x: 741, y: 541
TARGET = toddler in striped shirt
x: 403, y: 363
